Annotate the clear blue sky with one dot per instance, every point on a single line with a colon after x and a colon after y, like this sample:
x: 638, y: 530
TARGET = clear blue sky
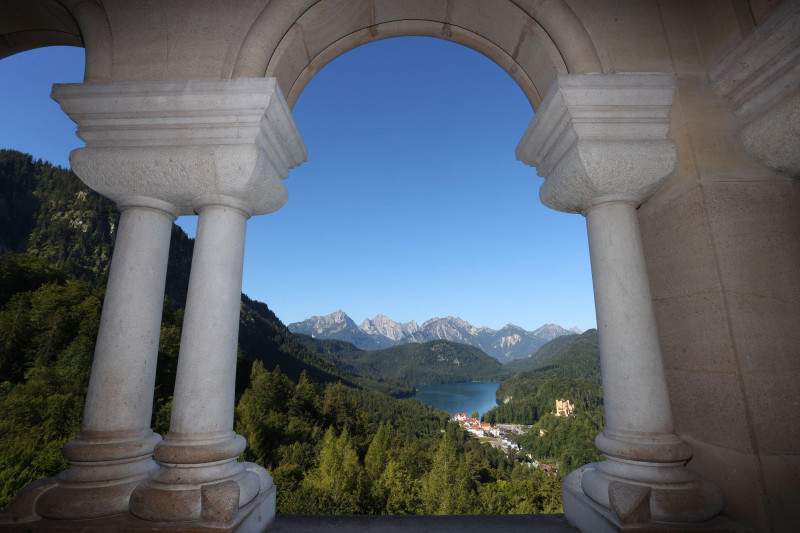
x: 411, y: 203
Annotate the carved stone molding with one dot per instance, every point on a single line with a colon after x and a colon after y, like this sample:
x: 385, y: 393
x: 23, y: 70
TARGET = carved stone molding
x: 764, y: 68
x: 761, y: 78
x: 178, y: 141
x: 774, y: 138
x: 599, y: 135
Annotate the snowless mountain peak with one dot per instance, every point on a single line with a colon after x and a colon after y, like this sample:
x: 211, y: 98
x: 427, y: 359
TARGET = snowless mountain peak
x: 385, y: 326
x: 333, y: 318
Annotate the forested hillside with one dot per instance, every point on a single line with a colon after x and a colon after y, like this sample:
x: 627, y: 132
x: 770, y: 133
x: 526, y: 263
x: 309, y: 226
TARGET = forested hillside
x: 333, y: 442
x: 47, y: 212
x: 429, y: 362
x: 341, y: 450
x: 542, y: 356
x: 572, y: 372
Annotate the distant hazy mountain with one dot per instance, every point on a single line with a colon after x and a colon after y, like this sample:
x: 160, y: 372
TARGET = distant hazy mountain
x: 511, y: 342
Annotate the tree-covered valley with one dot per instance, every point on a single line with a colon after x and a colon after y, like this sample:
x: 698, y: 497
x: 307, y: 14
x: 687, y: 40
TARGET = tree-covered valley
x: 569, y: 370
x: 333, y: 424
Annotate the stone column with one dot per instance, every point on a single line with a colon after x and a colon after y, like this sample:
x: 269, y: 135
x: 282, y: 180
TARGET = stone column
x: 112, y: 454
x: 201, y: 479
x: 220, y: 148
x: 211, y: 325
x: 601, y: 143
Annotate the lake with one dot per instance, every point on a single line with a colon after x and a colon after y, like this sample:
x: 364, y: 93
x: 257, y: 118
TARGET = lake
x: 459, y: 397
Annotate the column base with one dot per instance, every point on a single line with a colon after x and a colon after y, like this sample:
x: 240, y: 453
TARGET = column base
x: 630, y: 510
x: 180, y: 493
x: 103, y: 473
x: 256, y: 516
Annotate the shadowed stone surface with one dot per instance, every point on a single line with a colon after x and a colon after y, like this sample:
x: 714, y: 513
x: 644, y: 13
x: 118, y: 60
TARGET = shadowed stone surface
x: 440, y: 524
x: 541, y: 523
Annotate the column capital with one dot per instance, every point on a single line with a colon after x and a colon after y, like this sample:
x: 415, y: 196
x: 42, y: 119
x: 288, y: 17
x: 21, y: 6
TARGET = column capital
x: 761, y: 79
x: 179, y: 141
x: 601, y: 136
x: 128, y: 202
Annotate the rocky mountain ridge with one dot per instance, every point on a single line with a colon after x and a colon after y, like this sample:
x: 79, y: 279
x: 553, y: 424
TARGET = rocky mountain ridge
x: 509, y: 343
x: 383, y: 325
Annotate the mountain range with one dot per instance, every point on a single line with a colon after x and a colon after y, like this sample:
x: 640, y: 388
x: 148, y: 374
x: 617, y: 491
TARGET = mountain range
x: 506, y: 344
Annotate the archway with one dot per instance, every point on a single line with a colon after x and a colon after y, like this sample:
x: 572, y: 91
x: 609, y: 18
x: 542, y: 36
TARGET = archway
x: 681, y: 56
x: 412, y: 182
x: 532, y: 44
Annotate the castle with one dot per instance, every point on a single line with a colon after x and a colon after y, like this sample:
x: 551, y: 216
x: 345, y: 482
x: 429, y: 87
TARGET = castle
x: 563, y: 408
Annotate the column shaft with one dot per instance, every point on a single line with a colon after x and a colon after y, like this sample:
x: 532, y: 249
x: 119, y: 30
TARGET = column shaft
x: 200, y: 472
x: 645, y: 459
x: 124, y: 363
x: 113, y: 451
x: 204, y: 388
x: 634, y: 386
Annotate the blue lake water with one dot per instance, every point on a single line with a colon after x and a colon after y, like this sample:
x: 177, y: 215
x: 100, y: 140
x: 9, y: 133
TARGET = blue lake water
x: 459, y: 397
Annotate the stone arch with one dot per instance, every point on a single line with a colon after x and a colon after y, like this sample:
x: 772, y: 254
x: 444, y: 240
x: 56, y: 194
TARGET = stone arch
x: 96, y: 33
x: 292, y: 41
x: 38, y: 24
x: 81, y: 23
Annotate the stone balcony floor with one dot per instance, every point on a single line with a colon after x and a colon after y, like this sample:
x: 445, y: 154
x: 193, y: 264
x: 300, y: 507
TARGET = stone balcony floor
x: 543, y: 523
x: 124, y: 523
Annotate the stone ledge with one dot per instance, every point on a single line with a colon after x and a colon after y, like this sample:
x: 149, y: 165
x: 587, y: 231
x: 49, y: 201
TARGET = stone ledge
x: 539, y: 523
x: 256, y: 516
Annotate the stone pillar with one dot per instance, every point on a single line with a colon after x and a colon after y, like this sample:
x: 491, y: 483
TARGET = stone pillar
x: 201, y: 479
x: 113, y: 452
x: 601, y: 143
x: 211, y: 324
x: 220, y: 148
x: 622, y: 296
